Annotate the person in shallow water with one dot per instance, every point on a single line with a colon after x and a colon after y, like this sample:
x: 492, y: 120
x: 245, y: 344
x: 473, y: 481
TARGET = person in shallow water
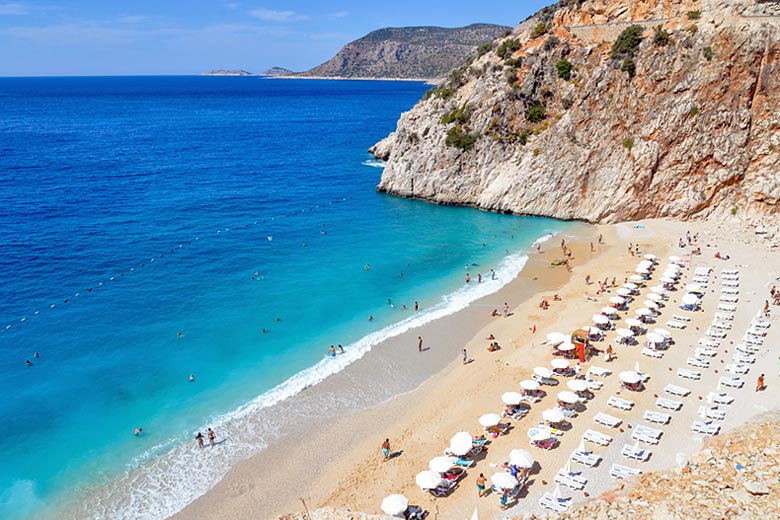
x: 212, y: 437
x: 332, y: 351
x: 199, y: 438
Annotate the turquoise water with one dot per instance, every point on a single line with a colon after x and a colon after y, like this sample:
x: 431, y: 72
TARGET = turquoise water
x: 138, y: 208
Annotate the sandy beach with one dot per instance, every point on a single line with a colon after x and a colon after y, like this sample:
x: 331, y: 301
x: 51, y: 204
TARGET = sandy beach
x: 338, y: 463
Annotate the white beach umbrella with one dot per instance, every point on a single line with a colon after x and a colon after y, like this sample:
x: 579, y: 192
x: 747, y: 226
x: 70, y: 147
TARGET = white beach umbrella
x: 428, y: 479
x: 633, y: 322
x: 395, y: 504
x: 441, y: 464
x: 542, y: 372
x: 667, y: 279
x: 650, y: 304
x: 636, y: 278
x: 578, y: 385
x: 568, y: 397
x: 529, y: 384
x: 642, y: 270
x: 460, y: 443
x: 553, y: 415
x: 565, y: 347
x: 631, y: 286
x: 672, y: 272
x: 630, y: 376
x: 663, y: 332
x: 693, y: 287
x: 557, y: 492
x: 657, y: 289
x: 623, y: 292
x: 624, y: 333
x: 646, y: 263
x: 651, y: 257
x: 674, y: 258
x: 590, y: 329
x: 521, y: 458
x: 672, y: 266
x: 652, y: 337
x: 559, y: 363
x: 600, y: 320
x: 503, y: 480
x: 512, y: 397
x: 690, y: 299
x: 617, y: 300
x: 539, y: 433
x: 609, y: 311
x: 556, y: 337
x: 643, y: 312
x: 654, y: 297
x: 490, y: 419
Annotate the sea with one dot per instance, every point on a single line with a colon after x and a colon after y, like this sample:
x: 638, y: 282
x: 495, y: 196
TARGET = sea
x: 224, y: 228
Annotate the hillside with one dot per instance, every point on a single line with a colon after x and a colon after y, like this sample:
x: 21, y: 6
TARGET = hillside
x: 576, y: 116
x: 407, y: 52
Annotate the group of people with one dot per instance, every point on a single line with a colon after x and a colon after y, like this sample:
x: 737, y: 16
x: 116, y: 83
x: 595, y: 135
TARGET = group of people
x: 212, y: 437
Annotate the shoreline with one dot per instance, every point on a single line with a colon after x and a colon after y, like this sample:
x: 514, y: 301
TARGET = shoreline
x: 384, y: 360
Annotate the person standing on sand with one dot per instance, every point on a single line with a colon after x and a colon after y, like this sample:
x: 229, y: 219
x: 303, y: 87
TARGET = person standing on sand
x: 760, y: 383
x: 419, y: 343
x: 481, y: 484
x: 506, y: 309
x: 465, y: 357
x: 212, y: 437
x: 386, y: 450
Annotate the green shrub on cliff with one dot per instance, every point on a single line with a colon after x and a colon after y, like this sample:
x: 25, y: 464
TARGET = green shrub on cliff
x: 536, y: 113
x: 508, y: 48
x: 564, y: 67
x: 484, y: 49
x: 629, y: 66
x: 628, y: 42
x: 459, y: 115
x: 539, y: 30
x: 628, y: 143
x: 661, y: 36
x: 707, y: 51
x: 458, y: 138
x: 694, y: 15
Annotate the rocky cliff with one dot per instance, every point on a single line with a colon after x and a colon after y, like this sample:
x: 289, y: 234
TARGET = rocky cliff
x: 407, y: 52
x: 606, y: 110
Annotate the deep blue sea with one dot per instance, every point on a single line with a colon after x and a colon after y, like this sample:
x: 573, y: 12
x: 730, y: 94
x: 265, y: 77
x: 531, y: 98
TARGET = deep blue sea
x: 133, y: 209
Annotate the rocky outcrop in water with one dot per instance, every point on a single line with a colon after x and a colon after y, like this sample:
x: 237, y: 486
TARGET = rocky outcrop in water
x: 576, y: 115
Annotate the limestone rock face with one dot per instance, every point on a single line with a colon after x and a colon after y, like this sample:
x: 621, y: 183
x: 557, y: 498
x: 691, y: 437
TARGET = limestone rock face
x: 693, y: 134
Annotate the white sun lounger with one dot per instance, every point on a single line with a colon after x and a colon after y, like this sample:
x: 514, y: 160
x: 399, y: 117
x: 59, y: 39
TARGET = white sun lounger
x: 737, y: 369
x: 706, y: 352
x: 711, y: 413
x: 698, y: 363
x: 725, y: 316
x: 723, y: 325
x: 705, y: 428
x: 647, y: 430
x: 598, y: 371
x: 760, y: 333
x: 587, y: 458
x: 761, y: 324
x: 715, y: 333
x: 747, y: 349
x: 607, y: 420
x: 570, y: 480
x: 730, y: 291
x: 677, y: 317
x: 701, y: 279
x: 668, y: 404
x: 629, y: 452
x: 702, y: 271
x: 726, y: 307
x: 559, y: 505
x: 597, y: 437
x: 727, y: 272
x: 730, y: 283
x: 709, y: 342
x: 676, y: 324
x: 618, y: 471
x: 689, y: 374
x: 652, y: 353
x: 648, y: 439
x: 728, y: 298
x: 743, y: 358
x: 619, y: 402
x: 676, y: 390
x: 594, y: 385
x: 753, y: 340
x: 719, y: 398
x: 732, y: 382
x: 657, y: 417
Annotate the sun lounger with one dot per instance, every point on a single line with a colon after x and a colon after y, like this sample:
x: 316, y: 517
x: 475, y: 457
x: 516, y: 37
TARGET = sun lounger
x: 761, y: 324
x: 619, y: 402
x: 640, y: 454
x: 677, y: 317
x: 737, y: 369
x: 657, y: 417
x: 652, y: 353
x: 598, y: 371
x: 620, y: 472
x: 705, y: 352
x: 715, y: 333
x: 761, y: 333
x: 558, y: 505
x: 546, y: 444
x: 719, y: 398
x: 698, y: 363
x: 729, y: 272
x: 705, y: 428
x: 702, y: 271
x: 701, y: 279
x: 607, y: 420
x: 597, y: 437
x: 647, y: 430
x: 753, y: 340
x: 711, y: 413
x: 570, y: 480
x: 746, y: 349
x: 730, y: 283
x: 668, y: 404
x: 743, y: 358
x: 545, y: 380
x: 725, y: 316
x: 679, y: 325
x: 723, y: 325
x: 594, y: 385
x: 714, y: 343
x: 676, y: 390
x: 729, y: 291
x: 732, y: 382
x: 726, y: 307
x: 728, y: 298
x: 689, y: 374
x: 587, y: 458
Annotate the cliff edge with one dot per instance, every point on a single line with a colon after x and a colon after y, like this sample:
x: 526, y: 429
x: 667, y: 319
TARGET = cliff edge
x: 606, y: 110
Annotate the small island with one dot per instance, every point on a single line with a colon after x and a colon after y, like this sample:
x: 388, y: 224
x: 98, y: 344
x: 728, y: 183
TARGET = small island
x: 223, y: 72
x: 277, y: 71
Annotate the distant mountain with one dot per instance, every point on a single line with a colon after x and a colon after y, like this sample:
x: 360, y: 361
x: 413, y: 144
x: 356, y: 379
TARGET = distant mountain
x: 222, y: 72
x: 407, y: 52
x: 277, y: 71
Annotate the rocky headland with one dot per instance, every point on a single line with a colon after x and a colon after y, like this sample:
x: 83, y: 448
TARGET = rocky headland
x: 605, y: 111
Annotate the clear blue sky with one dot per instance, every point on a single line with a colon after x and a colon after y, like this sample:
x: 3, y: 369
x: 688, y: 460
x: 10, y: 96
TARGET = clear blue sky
x: 55, y: 37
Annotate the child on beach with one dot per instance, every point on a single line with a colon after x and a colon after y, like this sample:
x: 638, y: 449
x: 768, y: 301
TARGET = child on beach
x: 465, y: 357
